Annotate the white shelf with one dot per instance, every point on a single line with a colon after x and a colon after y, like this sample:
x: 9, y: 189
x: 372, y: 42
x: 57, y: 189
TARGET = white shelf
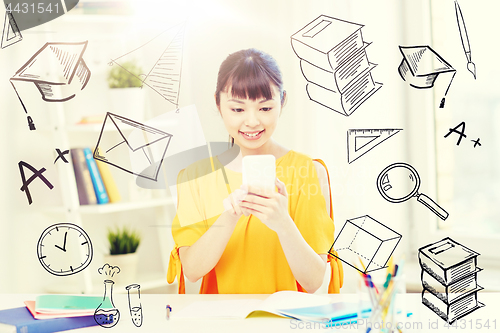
x: 147, y: 282
x: 115, y: 207
x: 124, y: 206
x: 83, y: 128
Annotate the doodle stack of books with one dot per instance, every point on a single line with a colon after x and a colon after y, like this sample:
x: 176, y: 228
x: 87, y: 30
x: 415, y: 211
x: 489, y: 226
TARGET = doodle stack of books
x: 334, y: 62
x: 449, y: 279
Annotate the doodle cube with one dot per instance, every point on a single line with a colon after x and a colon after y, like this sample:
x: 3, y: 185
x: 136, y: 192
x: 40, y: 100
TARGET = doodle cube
x: 366, y: 239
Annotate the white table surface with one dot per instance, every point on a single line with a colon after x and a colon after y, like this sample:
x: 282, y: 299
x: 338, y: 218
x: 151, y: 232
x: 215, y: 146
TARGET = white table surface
x: 154, y: 316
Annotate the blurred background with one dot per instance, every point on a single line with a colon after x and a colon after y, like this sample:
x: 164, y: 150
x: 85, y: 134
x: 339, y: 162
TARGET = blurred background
x: 464, y: 179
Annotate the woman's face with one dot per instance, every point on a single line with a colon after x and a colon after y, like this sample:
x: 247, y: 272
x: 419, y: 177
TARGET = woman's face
x: 250, y: 122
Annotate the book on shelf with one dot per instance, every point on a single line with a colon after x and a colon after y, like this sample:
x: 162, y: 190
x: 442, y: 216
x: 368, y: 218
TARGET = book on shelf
x: 92, y: 119
x: 109, y: 182
x: 86, y: 193
x: 20, y: 320
x: 100, y: 190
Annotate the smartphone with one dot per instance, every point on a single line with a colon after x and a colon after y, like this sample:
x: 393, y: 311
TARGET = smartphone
x: 260, y: 171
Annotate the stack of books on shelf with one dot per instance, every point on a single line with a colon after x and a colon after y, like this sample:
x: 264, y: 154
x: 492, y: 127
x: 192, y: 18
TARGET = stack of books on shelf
x: 334, y: 62
x: 449, y: 279
x: 93, y: 179
x: 53, y: 313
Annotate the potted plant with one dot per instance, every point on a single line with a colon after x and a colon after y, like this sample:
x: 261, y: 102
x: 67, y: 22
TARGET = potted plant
x: 123, y: 244
x: 126, y: 94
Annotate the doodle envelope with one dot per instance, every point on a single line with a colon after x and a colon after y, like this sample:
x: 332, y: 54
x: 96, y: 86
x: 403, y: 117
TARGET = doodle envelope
x: 57, y: 70
x: 146, y: 146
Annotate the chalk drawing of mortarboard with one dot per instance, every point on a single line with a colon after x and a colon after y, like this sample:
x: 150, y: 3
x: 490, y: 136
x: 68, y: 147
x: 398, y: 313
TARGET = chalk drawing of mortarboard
x: 57, y: 70
x: 421, y: 66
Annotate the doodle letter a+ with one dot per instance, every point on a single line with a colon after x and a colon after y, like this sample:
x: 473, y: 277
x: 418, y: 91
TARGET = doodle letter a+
x: 36, y: 173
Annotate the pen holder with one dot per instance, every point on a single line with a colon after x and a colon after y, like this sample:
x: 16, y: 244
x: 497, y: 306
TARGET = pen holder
x: 385, y: 300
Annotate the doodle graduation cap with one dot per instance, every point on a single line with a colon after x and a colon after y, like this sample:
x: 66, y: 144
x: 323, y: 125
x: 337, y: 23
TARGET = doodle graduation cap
x: 57, y: 70
x: 421, y: 66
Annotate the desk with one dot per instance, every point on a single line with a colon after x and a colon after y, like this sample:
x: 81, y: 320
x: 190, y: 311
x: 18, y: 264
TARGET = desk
x: 154, y: 315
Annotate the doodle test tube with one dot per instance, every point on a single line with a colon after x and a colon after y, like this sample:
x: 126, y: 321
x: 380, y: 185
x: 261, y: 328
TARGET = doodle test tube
x: 134, y: 303
x: 109, y: 317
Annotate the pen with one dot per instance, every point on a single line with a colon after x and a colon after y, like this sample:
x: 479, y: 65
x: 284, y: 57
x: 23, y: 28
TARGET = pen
x: 169, y: 309
x: 372, y: 284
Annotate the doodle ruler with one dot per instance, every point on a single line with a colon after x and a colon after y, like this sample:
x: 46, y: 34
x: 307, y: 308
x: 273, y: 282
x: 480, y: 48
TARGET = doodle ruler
x: 361, y: 141
x: 11, y: 33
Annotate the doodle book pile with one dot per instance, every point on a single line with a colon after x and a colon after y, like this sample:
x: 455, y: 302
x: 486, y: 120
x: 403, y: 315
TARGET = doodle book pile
x: 449, y: 279
x: 334, y: 62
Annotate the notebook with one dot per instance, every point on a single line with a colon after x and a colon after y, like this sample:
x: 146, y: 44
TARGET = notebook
x: 20, y: 320
x: 64, y: 304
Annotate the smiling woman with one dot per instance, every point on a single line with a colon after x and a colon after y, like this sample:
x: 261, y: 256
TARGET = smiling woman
x: 263, y: 242
x: 250, y: 84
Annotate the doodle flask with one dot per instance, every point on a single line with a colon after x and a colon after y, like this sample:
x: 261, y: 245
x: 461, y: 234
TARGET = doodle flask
x: 107, y: 317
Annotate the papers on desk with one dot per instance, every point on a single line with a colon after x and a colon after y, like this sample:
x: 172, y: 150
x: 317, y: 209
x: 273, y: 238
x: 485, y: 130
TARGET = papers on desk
x: 289, y: 304
x: 65, y: 306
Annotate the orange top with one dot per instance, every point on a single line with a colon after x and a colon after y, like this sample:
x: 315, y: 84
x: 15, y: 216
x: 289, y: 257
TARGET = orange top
x: 253, y: 260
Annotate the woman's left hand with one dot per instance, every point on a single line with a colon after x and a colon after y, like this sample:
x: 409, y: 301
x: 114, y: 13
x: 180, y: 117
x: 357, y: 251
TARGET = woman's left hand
x: 270, y: 208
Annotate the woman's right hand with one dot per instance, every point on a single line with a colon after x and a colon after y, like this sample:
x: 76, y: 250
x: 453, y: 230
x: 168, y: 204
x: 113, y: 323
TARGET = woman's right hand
x: 232, y: 202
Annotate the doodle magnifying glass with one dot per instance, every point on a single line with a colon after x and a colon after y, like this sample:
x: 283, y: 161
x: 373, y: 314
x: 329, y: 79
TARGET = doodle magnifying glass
x: 399, y: 182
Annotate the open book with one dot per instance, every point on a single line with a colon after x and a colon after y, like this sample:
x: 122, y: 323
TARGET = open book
x: 290, y: 304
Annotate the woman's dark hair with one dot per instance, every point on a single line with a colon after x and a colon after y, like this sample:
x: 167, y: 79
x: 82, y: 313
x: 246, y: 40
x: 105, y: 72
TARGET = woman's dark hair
x: 249, y: 74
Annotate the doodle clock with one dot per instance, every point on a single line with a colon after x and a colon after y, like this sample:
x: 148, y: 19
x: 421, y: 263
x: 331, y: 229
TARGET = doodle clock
x: 64, y: 249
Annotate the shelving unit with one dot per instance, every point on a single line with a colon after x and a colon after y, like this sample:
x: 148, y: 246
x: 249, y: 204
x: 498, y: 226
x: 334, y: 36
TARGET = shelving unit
x: 78, y: 214
x: 66, y: 134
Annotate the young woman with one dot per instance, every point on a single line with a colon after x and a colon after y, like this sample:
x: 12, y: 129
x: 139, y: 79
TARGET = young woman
x: 262, y: 242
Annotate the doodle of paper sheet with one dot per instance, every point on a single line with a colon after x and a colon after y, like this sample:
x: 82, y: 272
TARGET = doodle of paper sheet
x: 68, y: 72
x: 367, y: 239
x: 146, y: 146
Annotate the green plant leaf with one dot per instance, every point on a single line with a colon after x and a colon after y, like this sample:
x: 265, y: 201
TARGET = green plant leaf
x: 125, y: 75
x: 123, y: 241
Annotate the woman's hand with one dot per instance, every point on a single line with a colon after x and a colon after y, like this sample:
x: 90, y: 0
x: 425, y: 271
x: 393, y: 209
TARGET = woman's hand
x: 232, y: 202
x: 270, y: 208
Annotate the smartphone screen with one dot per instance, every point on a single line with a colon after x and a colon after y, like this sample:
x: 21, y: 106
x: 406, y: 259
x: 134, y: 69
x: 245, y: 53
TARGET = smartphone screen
x: 260, y: 171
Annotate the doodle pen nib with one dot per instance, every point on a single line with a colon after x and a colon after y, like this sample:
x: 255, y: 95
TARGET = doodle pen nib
x: 472, y: 68
x: 441, y: 105
x: 31, y: 124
